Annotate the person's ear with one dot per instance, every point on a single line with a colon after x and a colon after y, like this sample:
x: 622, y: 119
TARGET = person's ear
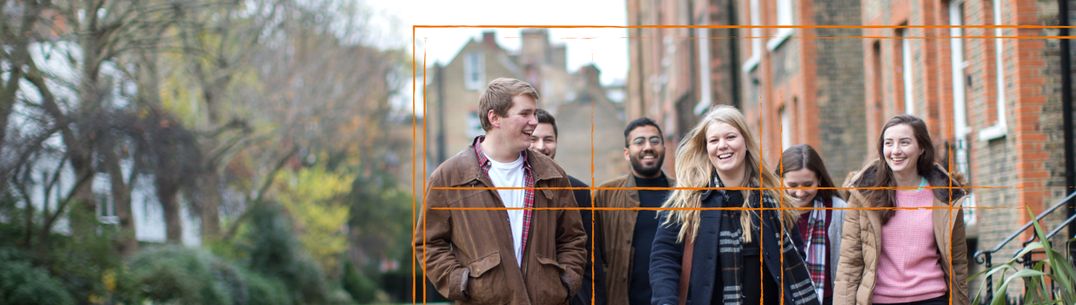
x: 494, y: 119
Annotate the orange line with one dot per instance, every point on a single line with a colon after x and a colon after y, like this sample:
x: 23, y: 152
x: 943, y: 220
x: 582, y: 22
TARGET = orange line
x: 762, y: 122
x: 594, y: 110
x: 950, y: 218
x: 762, y: 263
x: 425, y: 152
x: 414, y: 166
x: 722, y: 26
x: 672, y: 188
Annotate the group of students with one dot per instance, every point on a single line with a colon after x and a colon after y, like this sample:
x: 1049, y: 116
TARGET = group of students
x: 502, y: 223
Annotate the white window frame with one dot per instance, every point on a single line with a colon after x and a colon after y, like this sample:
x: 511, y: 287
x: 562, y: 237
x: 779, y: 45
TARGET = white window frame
x: 960, y: 116
x: 906, y: 72
x: 786, y: 15
x: 705, y: 92
x: 786, y: 128
x: 474, y: 64
x: 957, y: 66
x: 106, y: 209
x: 999, y: 129
x: 756, y: 37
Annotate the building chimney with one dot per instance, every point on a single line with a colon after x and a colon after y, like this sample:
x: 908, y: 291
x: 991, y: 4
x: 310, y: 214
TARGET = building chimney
x: 489, y: 38
x: 591, y: 74
x: 559, y: 57
x: 535, y: 47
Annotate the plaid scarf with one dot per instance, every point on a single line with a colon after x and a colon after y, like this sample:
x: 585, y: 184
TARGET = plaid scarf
x: 798, y: 284
x: 816, y: 246
x: 729, y: 249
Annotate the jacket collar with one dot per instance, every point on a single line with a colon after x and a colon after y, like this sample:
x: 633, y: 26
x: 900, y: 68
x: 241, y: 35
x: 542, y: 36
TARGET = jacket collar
x: 938, y: 177
x: 468, y: 164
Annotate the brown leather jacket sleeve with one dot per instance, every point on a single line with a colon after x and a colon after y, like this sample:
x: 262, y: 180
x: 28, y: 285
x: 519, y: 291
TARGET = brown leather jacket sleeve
x: 433, y: 248
x: 850, y: 267
x: 571, y: 238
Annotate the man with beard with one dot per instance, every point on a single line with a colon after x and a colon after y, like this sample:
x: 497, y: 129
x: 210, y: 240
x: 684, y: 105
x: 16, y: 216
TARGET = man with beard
x: 629, y: 233
x: 544, y: 140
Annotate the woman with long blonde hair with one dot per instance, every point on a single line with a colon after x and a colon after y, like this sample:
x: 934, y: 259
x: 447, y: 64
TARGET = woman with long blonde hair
x: 727, y: 237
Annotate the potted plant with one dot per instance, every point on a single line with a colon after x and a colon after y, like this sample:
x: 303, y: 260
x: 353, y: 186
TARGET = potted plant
x: 1049, y: 281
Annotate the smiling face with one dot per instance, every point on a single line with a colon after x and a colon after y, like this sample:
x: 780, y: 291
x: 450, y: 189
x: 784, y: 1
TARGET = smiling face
x: 645, y: 151
x: 516, y: 128
x: 797, y: 182
x: 726, y: 149
x: 900, y: 149
x: 544, y: 140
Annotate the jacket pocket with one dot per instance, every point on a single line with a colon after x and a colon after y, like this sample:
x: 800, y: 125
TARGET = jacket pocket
x: 487, y: 283
x: 550, y: 286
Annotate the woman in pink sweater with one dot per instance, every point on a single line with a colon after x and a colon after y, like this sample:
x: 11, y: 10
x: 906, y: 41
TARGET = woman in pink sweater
x: 909, y: 248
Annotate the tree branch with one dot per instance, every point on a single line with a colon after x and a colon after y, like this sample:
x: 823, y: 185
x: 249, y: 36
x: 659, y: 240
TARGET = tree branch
x: 234, y: 227
x: 47, y: 227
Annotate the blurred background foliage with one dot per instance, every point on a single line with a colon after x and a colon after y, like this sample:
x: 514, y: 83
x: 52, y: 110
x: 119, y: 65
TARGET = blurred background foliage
x: 201, y: 152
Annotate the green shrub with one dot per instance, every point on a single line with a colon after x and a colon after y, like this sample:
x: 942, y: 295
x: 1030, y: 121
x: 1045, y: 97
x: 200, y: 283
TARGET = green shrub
x: 274, y: 251
x: 361, y: 288
x: 264, y: 290
x: 185, y: 276
x: 22, y: 283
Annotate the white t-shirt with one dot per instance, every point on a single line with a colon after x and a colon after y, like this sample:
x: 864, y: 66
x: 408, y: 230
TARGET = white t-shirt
x: 511, y: 175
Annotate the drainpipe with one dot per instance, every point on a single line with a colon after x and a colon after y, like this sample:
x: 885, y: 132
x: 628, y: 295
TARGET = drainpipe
x: 439, y: 71
x: 693, y: 68
x: 734, y: 55
x: 1066, y: 106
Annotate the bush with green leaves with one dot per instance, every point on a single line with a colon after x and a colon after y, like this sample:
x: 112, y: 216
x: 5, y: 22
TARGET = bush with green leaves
x: 1050, y: 281
x: 22, y: 283
x: 264, y: 290
x: 174, y: 274
x: 361, y: 288
x: 180, y: 275
x: 273, y: 250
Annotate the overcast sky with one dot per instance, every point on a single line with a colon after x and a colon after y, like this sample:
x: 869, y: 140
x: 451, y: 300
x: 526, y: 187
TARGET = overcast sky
x: 607, y: 48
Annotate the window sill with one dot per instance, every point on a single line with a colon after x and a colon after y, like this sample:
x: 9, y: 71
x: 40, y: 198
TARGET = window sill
x: 783, y: 34
x: 991, y: 133
x: 751, y: 64
x: 702, y: 107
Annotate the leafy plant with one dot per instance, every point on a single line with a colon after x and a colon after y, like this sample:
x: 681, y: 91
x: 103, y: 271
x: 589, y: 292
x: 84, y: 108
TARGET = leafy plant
x: 1054, y: 268
x: 21, y: 283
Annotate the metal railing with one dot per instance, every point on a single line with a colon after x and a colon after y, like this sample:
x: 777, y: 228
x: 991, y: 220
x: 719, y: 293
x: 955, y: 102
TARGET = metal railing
x: 985, y: 257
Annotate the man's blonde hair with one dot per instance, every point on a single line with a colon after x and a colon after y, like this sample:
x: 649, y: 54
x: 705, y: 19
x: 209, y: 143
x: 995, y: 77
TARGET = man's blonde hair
x: 498, y: 97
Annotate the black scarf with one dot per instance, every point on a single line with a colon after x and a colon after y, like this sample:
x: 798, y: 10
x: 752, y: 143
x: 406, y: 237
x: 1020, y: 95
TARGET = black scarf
x: 730, y: 248
x: 797, y: 282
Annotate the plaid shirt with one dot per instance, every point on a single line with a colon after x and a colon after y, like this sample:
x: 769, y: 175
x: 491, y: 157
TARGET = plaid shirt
x: 528, y: 184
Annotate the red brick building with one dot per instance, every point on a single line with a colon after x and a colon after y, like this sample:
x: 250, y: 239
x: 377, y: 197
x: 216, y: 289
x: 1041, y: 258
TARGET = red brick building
x: 783, y: 79
x: 994, y: 104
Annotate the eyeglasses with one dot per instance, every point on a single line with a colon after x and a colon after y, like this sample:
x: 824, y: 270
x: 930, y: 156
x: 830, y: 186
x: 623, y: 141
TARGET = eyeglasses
x: 655, y: 140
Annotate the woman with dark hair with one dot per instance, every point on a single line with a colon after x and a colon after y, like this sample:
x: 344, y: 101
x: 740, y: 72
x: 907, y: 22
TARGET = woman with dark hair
x: 728, y: 237
x: 810, y: 188
x: 907, y: 246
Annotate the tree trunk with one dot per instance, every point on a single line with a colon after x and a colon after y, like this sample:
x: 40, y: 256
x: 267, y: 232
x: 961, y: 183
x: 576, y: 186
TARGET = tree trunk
x: 121, y: 196
x: 172, y: 218
x: 209, y: 194
x: 83, y: 214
